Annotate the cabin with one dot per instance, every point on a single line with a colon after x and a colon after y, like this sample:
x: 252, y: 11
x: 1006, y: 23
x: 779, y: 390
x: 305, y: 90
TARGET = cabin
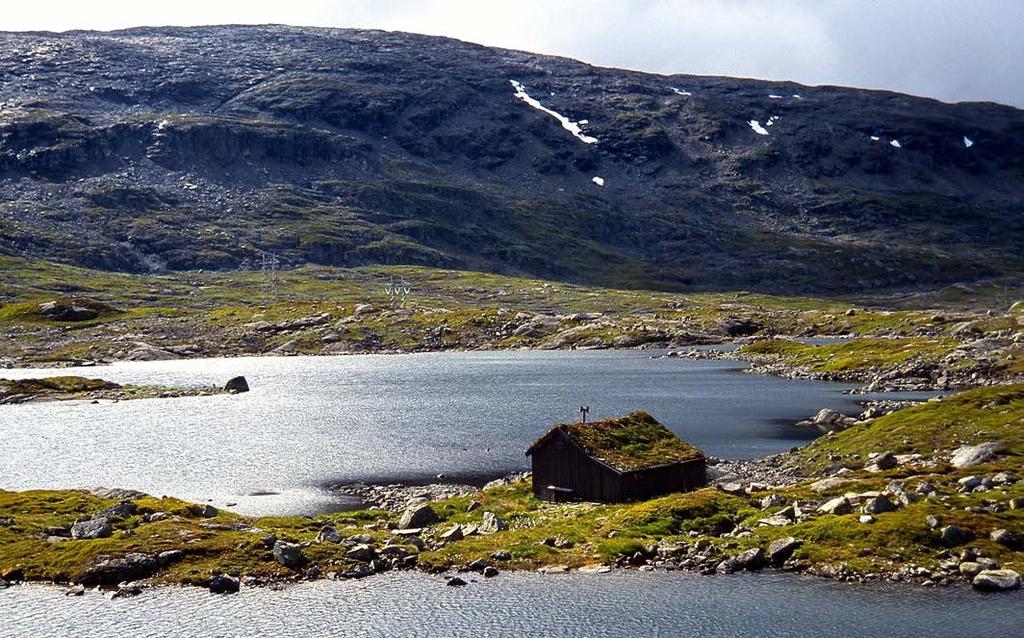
x: 622, y: 459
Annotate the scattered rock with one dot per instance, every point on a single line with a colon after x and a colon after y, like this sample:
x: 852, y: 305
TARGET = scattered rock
x: 453, y: 534
x: 126, y: 590
x: 288, y: 554
x: 969, y: 569
x: 108, y: 572
x: 328, y: 534
x: 879, y: 505
x: 223, y: 584
x: 76, y: 590
x: 501, y: 554
x: 99, y: 527
x: 751, y: 559
x: 951, y: 536
x: 1006, y: 537
x: 969, y: 455
x: 838, y: 506
x: 885, y: 461
x: 420, y: 515
x: 490, y: 572
x: 781, y: 549
x: 492, y: 523
x: 996, y: 580
x: 455, y: 581
x: 362, y: 553
x: 236, y: 385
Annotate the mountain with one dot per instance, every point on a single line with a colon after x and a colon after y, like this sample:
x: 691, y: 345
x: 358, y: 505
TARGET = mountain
x: 157, y: 149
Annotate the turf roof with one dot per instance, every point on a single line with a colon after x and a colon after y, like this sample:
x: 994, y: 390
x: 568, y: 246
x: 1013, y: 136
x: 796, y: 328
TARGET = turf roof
x: 632, y: 442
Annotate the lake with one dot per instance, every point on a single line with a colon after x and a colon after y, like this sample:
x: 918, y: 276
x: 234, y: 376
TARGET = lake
x: 527, y: 604
x: 312, y: 421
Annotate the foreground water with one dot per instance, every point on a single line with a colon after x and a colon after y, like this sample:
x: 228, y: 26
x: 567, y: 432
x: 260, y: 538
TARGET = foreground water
x: 615, y: 604
x: 312, y: 421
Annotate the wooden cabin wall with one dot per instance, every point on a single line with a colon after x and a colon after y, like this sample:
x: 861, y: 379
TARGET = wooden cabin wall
x: 561, y: 463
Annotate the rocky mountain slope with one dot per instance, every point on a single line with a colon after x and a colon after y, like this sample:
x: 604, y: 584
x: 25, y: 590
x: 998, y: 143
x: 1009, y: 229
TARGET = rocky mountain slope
x: 188, y: 148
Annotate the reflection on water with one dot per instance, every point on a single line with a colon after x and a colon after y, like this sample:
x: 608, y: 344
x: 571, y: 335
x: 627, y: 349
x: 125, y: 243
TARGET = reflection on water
x: 616, y: 604
x: 312, y: 421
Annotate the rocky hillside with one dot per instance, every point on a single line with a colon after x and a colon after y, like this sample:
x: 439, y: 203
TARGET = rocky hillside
x: 172, y: 148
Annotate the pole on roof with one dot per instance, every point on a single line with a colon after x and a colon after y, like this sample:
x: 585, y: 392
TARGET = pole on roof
x: 584, y: 409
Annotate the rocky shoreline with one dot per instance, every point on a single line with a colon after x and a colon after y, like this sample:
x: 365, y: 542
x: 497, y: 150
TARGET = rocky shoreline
x: 21, y: 391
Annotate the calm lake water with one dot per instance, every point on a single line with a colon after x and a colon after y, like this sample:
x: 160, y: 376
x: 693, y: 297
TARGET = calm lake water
x: 312, y: 421
x: 615, y: 604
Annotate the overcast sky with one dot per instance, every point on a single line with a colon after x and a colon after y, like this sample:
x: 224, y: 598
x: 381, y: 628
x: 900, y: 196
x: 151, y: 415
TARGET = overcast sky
x: 949, y: 49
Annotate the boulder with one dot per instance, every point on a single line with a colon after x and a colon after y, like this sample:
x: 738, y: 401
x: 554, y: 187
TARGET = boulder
x: 455, y: 581
x: 781, y: 549
x: 839, y: 505
x: 773, y: 500
x: 885, y: 461
x: 879, y: 505
x: 362, y: 553
x: 1006, y: 537
x: 492, y: 523
x: 67, y: 311
x: 738, y: 327
x: 501, y: 554
x: 170, y: 556
x: 453, y: 534
x: 751, y: 559
x: 490, y: 572
x: 418, y: 516
x: 236, y: 385
x: 951, y: 536
x: 328, y: 534
x: 108, y: 572
x: 996, y: 580
x: 969, y: 455
x: 969, y: 569
x: 146, y: 352
x: 223, y: 584
x: 97, y: 527
x: 288, y: 554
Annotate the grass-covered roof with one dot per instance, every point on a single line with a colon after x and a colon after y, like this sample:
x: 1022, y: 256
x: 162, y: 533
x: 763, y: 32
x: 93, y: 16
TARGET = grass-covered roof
x: 632, y: 442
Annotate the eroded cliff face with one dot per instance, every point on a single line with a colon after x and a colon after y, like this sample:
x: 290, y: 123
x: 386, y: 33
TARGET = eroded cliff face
x: 177, y: 148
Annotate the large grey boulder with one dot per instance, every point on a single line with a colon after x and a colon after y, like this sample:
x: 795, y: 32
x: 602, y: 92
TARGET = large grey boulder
x: 492, y: 523
x: 839, y: 505
x: 363, y: 553
x: 418, y: 516
x: 996, y: 580
x: 781, y: 549
x: 751, y: 559
x: 969, y: 455
x: 1006, y: 537
x: 108, y: 572
x: 951, y: 536
x: 97, y: 527
x: 879, y: 505
x: 288, y: 554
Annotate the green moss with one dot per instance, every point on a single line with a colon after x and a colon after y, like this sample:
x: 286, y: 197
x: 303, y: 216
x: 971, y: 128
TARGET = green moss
x: 628, y: 443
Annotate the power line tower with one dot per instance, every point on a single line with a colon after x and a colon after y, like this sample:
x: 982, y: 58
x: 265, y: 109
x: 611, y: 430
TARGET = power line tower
x: 396, y: 292
x: 269, y: 264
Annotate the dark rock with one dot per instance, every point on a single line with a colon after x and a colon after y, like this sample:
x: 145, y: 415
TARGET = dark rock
x: 751, y: 559
x: 169, y: 557
x: 501, y: 554
x: 237, y: 385
x: 738, y: 327
x: 288, y: 554
x: 455, y: 581
x: 363, y: 553
x: 879, y: 505
x: 328, y: 534
x: 223, y: 584
x: 951, y: 536
x: 490, y: 572
x: 885, y: 461
x: 108, y: 572
x: 418, y: 516
x: 1007, y: 538
x: 126, y: 590
x: 781, y: 549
